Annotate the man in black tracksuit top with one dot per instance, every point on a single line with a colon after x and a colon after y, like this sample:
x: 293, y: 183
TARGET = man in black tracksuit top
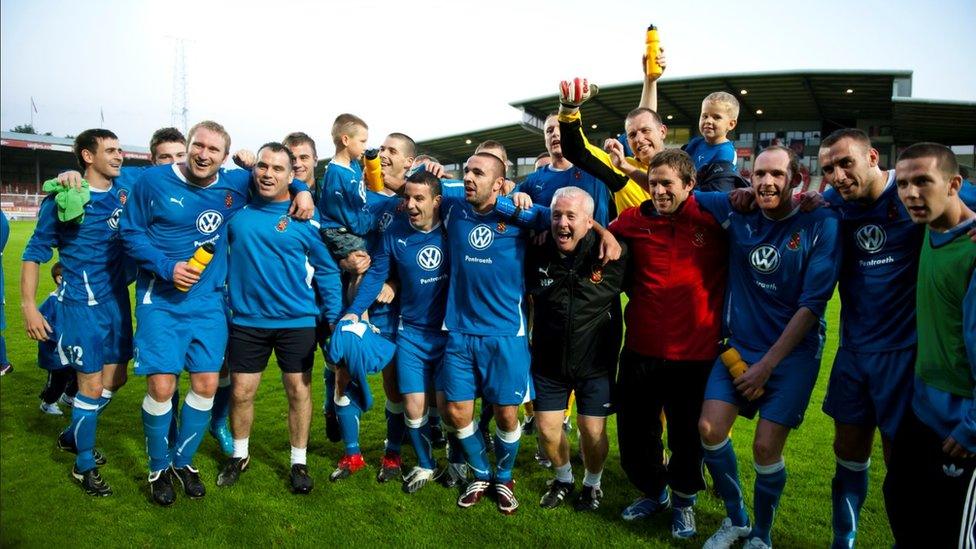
x: 575, y: 341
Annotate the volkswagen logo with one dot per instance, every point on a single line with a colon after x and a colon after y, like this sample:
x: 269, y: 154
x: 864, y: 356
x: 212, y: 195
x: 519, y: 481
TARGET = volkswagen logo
x: 481, y: 237
x: 113, y: 220
x: 764, y: 259
x: 209, y: 221
x: 870, y: 238
x: 429, y: 258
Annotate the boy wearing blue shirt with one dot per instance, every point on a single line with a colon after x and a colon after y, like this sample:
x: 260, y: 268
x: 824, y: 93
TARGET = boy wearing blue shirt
x: 59, y: 376
x: 719, y: 116
x: 414, y: 247
x: 934, y: 452
x: 342, y: 204
x: 278, y: 269
x: 96, y: 327
x: 171, y: 212
x: 782, y: 273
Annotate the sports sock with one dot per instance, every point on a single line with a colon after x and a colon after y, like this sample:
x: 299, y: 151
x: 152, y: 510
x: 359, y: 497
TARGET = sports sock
x: 419, y: 432
x: 156, y: 419
x: 347, y: 412
x: 395, y: 427
x: 474, y: 451
x: 221, y: 405
x: 725, y: 473
x: 174, y: 425
x: 84, y: 418
x: 104, y: 400
x: 455, y: 453
x: 681, y: 500
x: 194, y: 420
x: 506, y: 449
x: 564, y: 473
x: 298, y: 455
x: 484, y: 420
x: 770, y: 481
x: 848, y: 490
x: 241, y: 447
x: 592, y: 479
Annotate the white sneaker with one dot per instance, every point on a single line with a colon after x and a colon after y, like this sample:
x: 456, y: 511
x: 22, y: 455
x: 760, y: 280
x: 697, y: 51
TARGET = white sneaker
x: 726, y: 535
x: 67, y: 401
x: 756, y: 543
x: 51, y: 409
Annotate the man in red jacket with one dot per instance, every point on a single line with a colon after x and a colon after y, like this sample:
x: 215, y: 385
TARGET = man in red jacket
x: 679, y: 262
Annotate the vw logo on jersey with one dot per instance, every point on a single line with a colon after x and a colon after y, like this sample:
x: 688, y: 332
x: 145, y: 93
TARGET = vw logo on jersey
x: 113, y: 220
x: 429, y: 258
x: 870, y: 238
x: 209, y: 221
x: 764, y: 258
x: 481, y: 237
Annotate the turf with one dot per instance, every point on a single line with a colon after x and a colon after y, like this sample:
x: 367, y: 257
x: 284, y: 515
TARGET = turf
x: 40, y: 505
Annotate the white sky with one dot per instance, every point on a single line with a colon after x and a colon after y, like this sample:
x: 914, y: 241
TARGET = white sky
x: 428, y: 68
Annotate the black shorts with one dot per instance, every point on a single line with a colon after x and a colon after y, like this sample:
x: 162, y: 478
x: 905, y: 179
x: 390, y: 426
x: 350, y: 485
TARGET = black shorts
x: 593, y: 395
x: 248, y: 349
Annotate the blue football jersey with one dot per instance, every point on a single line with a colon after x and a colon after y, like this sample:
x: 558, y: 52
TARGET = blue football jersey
x: 702, y: 153
x: 278, y: 269
x: 877, y: 277
x: 382, y: 209
x: 91, y: 252
x: 419, y: 260
x: 541, y: 184
x: 343, y: 199
x: 487, y: 256
x: 775, y: 268
x: 167, y: 219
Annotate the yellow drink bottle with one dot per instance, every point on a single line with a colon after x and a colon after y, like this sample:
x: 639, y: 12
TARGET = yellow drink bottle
x: 201, y: 258
x: 373, y: 173
x: 653, y: 50
x: 734, y: 364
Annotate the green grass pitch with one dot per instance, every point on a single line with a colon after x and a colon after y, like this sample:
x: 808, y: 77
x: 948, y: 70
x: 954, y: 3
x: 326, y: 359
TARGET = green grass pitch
x: 41, y: 506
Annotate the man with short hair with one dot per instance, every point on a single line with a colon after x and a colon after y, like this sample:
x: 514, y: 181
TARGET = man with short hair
x: 679, y: 266
x: 306, y: 158
x: 934, y: 452
x: 167, y: 146
x: 96, y: 326
x: 171, y: 212
x: 782, y: 271
x: 278, y: 271
x: 575, y: 338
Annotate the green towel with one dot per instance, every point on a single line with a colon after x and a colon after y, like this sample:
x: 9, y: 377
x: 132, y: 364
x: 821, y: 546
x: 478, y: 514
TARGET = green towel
x: 71, y: 202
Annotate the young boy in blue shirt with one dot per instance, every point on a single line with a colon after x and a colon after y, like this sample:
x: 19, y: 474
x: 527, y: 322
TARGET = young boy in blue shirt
x: 719, y: 116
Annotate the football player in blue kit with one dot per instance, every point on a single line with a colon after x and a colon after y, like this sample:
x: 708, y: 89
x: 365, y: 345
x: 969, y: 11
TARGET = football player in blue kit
x: 782, y: 273
x: 414, y: 248
x: 872, y: 376
x: 278, y: 271
x: 172, y: 211
x: 96, y: 325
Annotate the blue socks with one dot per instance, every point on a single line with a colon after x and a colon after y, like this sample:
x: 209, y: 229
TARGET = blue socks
x: 506, y: 449
x: 473, y: 444
x: 156, y: 420
x: 84, y: 419
x: 194, y: 421
x: 770, y: 481
x: 455, y: 454
x: 419, y: 431
x: 395, y: 427
x: 848, y: 490
x: 221, y: 404
x: 174, y: 427
x: 721, y: 463
x: 348, y: 413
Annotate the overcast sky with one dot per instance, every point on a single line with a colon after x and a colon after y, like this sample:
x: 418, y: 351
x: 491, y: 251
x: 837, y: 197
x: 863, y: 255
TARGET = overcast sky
x: 428, y: 68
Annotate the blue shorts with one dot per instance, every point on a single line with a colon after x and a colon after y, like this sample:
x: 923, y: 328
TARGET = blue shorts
x: 95, y: 335
x: 494, y: 367
x: 787, y: 392
x: 871, y: 388
x: 169, y: 339
x: 419, y: 357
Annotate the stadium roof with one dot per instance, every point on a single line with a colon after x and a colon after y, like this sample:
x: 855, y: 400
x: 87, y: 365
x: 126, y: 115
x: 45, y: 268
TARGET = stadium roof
x: 840, y: 97
x: 59, y: 144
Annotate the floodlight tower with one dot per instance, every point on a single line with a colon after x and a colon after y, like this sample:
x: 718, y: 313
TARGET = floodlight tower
x: 178, y: 109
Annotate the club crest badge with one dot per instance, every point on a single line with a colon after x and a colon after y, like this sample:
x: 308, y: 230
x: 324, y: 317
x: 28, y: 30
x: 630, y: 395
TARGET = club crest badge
x: 282, y: 224
x: 500, y: 227
x: 698, y: 239
x: 596, y: 274
x: 228, y: 200
x: 794, y: 243
x: 123, y: 196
